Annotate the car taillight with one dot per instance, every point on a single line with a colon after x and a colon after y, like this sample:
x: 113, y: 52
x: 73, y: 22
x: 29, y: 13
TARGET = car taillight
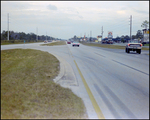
x: 128, y: 44
x: 140, y: 44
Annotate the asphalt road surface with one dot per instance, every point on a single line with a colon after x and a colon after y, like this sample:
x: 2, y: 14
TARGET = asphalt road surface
x: 118, y: 81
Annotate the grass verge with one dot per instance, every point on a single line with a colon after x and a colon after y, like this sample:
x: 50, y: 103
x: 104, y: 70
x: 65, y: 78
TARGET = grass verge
x: 108, y: 46
x: 54, y: 43
x: 104, y: 45
x: 146, y: 44
x: 6, y: 42
x: 28, y: 90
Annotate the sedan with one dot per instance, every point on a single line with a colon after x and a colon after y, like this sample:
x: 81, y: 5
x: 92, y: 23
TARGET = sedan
x: 45, y: 41
x: 68, y: 42
x: 75, y: 44
x: 133, y: 45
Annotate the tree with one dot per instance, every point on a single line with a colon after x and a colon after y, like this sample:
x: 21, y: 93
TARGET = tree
x: 75, y: 37
x: 4, y: 35
x: 139, y: 34
x: 145, y: 24
x: 117, y: 38
x: 23, y: 36
x: 127, y: 37
x: 133, y: 37
x: 122, y: 36
x: 122, y: 40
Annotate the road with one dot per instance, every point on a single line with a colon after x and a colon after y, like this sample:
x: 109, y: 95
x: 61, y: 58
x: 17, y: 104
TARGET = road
x: 118, y: 81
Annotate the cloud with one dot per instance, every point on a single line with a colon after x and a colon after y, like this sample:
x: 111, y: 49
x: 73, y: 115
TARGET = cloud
x: 52, y: 7
x: 141, y: 11
x: 121, y: 12
x: 74, y: 17
x: 80, y: 16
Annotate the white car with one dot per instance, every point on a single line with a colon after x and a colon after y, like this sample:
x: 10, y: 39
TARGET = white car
x: 133, y: 45
x: 75, y: 44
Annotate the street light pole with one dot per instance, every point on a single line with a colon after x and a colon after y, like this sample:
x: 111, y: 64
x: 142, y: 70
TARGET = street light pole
x: 8, y: 28
x: 131, y: 27
x: 37, y: 34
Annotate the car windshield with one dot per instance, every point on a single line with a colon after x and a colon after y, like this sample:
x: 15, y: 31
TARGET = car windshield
x: 75, y: 42
x: 134, y: 41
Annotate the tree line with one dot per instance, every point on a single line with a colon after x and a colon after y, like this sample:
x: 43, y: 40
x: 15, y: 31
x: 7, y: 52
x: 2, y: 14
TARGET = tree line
x: 23, y: 36
x: 123, y: 38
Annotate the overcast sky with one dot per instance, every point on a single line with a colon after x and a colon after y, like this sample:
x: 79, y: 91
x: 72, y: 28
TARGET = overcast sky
x: 64, y: 19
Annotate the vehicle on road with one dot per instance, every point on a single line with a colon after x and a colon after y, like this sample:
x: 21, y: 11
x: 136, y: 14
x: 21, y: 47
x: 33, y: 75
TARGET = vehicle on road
x: 133, y: 45
x: 75, y: 43
x: 68, y: 42
x: 49, y: 40
x: 45, y: 41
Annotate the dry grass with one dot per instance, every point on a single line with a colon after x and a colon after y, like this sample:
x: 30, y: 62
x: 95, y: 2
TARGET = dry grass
x: 54, y: 43
x: 144, y: 48
x: 6, y: 42
x: 104, y: 45
x: 28, y: 90
x: 108, y: 46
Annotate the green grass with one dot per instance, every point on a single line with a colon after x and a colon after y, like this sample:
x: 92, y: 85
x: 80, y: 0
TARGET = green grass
x: 54, y: 43
x: 108, y: 46
x: 146, y: 44
x: 28, y: 90
x: 104, y: 45
x: 6, y: 42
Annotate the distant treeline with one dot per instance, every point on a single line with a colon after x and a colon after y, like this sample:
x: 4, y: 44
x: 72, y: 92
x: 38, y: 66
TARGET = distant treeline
x: 23, y: 36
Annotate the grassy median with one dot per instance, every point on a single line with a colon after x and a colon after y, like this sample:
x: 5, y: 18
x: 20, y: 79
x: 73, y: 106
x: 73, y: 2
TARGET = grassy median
x: 28, y: 90
x: 55, y: 43
x: 108, y: 46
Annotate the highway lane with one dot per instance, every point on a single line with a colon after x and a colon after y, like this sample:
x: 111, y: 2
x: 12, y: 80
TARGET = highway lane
x: 118, y: 81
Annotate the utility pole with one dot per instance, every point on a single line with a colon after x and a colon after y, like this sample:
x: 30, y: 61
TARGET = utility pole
x: 91, y: 35
x: 46, y: 35
x: 37, y: 34
x: 8, y: 28
x: 131, y: 27
x: 102, y: 31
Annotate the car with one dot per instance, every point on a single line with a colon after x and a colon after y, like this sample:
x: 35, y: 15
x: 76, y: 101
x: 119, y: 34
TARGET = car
x: 75, y: 43
x: 68, y: 42
x: 133, y: 45
x: 45, y: 41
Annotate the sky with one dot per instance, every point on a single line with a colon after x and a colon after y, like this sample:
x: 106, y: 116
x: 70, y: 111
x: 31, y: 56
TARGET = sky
x: 65, y: 19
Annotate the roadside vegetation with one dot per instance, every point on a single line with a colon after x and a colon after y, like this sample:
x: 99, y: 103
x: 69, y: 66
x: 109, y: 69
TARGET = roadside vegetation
x: 146, y: 44
x: 104, y: 45
x: 54, y: 43
x: 108, y: 46
x: 7, y: 42
x: 28, y: 90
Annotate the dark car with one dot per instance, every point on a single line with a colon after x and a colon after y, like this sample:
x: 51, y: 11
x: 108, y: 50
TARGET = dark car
x: 68, y: 42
